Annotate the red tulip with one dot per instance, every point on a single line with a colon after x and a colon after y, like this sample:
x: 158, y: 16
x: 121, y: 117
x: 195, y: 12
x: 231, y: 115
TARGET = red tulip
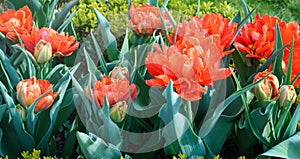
x: 12, y: 21
x: 29, y: 90
x: 61, y: 43
x: 257, y: 38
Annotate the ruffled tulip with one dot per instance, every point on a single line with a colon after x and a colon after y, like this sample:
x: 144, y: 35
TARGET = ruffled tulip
x: 257, y: 38
x: 266, y: 89
x: 191, y: 64
x: 119, y: 72
x: 115, y: 89
x: 12, y: 21
x: 197, y: 27
x: 145, y: 19
x: 29, y: 90
x: 62, y: 44
x: 287, y: 95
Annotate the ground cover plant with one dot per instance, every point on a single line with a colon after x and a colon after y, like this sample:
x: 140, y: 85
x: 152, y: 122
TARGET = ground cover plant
x: 153, y: 79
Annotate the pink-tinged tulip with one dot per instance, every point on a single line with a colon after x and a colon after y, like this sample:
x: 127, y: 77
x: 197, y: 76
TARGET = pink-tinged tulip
x: 119, y: 72
x: 62, y: 44
x: 192, y: 63
x: 12, y: 21
x: 117, y: 112
x: 29, y: 90
x: 115, y: 89
x: 146, y: 18
x: 287, y: 95
x: 266, y: 89
x: 42, y: 52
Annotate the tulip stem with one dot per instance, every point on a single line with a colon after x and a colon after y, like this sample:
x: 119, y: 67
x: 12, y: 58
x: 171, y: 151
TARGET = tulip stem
x: 188, y: 109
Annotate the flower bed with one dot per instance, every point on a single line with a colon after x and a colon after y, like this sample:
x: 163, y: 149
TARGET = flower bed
x: 201, y: 86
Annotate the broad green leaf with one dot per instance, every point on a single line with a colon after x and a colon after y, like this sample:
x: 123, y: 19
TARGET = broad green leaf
x: 67, y: 22
x: 100, y: 55
x: 11, y: 71
x: 94, y: 147
x: 289, y: 148
x: 109, y: 131
x: 277, y: 64
x: 213, y: 115
x: 109, y: 40
x: 237, y: 18
x: 70, y: 140
x: 62, y: 85
x: 246, y: 9
x: 177, y: 131
x: 292, y: 127
x: 61, y: 16
x: 153, y: 3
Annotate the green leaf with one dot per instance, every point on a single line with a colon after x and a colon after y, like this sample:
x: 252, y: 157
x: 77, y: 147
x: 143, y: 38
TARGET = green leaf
x: 94, y: 147
x: 67, y: 22
x: 246, y: 9
x: 290, y: 62
x: 286, y: 149
x: 109, y: 40
x: 292, y: 127
x: 237, y: 18
x: 70, y: 140
x: 61, y: 16
x: 177, y: 132
x: 100, y: 55
x: 11, y: 71
x: 213, y: 115
x: 277, y: 64
x: 153, y: 3
x: 62, y: 85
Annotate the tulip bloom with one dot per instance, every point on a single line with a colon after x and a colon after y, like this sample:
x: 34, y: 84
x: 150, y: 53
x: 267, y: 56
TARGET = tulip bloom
x: 266, y: 89
x: 115, y: 89
x: 62, y: 44
x: 145, y: 19
x: 287, y: 95
x: 12, y: 21
x: 191, y: 64
x: 257, y: 38
x: 29, y: 90
x: 222, y: 34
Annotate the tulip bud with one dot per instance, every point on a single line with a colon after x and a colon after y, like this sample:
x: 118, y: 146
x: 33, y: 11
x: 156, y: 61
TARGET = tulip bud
x: 287, y: 95
x: 22, y: 112
x: 266, y: 89
x: 43, y: 52
x: 117, y: 111
x: 120, y: 73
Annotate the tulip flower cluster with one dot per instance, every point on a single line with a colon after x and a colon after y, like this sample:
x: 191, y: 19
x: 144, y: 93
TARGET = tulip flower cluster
x: 188, y: 87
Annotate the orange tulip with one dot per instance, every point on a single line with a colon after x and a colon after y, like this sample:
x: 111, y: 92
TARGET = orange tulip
x: 222, y: 34
x: 29, y: 90
x: 145, y: 19
x: 191, y: 64
x: 257, y: 38
x: 61, y: 43
x: 115, y: 89
x: 12, y: 21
